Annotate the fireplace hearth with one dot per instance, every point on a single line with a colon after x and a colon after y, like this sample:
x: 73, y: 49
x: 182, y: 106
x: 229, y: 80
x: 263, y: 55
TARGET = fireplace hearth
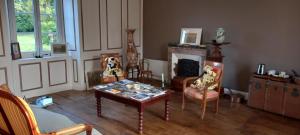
x: 184, y: 61
x: 187, y: 68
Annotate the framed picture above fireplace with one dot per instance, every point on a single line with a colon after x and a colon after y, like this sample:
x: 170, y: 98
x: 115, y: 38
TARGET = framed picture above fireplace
x: 190, y: 36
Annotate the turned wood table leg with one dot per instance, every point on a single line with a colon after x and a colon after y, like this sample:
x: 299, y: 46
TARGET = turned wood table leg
x: 138, y: 69
x: 167, y: 109
x: 141, y: 118
x: 99, y: 106
x: 132, y: 70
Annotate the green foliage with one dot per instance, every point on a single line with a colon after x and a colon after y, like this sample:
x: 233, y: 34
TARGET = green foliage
x: 25, y: 20
x: 24, y: 23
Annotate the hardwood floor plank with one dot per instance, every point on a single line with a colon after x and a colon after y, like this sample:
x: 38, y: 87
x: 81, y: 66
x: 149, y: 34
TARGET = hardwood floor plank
x: 119, y: 119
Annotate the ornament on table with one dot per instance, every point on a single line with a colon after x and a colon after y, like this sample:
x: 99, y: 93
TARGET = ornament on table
x: 220, y: 37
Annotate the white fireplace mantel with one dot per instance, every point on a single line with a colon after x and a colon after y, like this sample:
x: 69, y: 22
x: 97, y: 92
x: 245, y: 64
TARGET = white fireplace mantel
x: 184, y: 52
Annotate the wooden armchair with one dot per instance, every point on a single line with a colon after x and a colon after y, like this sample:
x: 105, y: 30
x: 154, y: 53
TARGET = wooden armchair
x: 17, y: 118
x: 145, y: 71
x: 103, y: 62
x: 206, y: 95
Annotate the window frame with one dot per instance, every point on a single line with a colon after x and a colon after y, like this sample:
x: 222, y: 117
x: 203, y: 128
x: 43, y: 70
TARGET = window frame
x: 37, y: 26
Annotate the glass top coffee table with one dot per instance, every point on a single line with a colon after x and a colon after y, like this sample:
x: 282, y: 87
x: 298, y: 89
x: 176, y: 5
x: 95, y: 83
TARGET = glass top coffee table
x: 138, y: 95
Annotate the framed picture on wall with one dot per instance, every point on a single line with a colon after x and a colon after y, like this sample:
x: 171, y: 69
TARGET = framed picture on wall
x: 190, y: 36
x: 58, y: 48
x: 15, y: 51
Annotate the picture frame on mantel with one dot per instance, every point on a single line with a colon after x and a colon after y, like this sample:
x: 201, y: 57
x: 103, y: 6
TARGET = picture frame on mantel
x: 15, y: 51
x: 190, y: 36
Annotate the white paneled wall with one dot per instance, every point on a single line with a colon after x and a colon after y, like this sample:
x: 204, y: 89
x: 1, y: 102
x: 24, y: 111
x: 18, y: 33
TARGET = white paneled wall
x: 114, y: 21
x: 57, y: 77
x: 75, y: 71
x: 3, y: 75
x: 110, y: 36
x: 92, y: 27
x: 30, y: 76
x: 5, y: 67
x: 90, y: 13
x: 134, y: 19
x: 2, y: 50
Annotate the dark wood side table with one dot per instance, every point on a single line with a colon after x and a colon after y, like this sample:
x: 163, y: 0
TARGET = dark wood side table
x: 216, y: 54
x: 140, y: 105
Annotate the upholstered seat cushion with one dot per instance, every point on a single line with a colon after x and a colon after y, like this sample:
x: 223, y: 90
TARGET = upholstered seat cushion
x: 195, y: 93
x: 50, y: 121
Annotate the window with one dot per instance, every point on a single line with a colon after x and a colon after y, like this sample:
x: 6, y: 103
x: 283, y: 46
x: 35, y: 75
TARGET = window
x: 36, y: 24
x: 25, y: 25
x: 48, y: 23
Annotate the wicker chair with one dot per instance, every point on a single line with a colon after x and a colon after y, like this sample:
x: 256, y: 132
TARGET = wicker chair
x: 4, y: 87
x: 205, y: 96
x: 17, y: 118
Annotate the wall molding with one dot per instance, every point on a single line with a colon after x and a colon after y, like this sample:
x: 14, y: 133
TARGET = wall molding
x: 107, y: 44
x: 245, y: 94
x: 75, y: 72
x: 140, y: 27
x: 5, y: 73
x: 49, y: 75
x: 20, y: 76
x: 82, y: 27
x: 84, y: 67
x: 2, y: 39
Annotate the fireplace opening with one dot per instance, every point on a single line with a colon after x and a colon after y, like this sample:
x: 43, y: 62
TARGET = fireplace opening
x: 187, y: 68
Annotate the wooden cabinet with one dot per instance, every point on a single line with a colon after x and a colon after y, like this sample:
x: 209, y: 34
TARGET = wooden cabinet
x: 273, y: 96
x: 257, y: 93
x: 292, y: 101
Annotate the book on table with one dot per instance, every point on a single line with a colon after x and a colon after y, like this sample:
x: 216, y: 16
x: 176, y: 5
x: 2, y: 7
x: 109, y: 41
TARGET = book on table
x: 113, y: 91
x: 140, y: 96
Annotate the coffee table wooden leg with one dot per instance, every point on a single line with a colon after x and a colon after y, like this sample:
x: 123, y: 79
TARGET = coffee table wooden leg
x: 141, y: 118
x: 167, y: 109
x: 99, y: 106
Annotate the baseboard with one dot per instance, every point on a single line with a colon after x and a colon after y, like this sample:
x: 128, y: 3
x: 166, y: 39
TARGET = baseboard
x: 158, y: 67
x: 245, y: 94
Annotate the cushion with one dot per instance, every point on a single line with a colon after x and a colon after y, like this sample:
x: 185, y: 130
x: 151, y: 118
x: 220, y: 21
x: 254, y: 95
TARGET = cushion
x: 113, y: 67
x: 31, y: 114
x: 210, y: 75
x: 45, y: 120
x: 195, y: 93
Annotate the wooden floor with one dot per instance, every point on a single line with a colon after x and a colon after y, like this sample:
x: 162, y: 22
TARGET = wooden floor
x: 119, y: 119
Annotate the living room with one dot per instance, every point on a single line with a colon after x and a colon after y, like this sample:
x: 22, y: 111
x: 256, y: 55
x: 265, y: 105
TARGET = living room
x: 62, y: 51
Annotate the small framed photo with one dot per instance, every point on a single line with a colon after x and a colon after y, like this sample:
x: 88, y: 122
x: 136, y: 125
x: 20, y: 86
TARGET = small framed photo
x: 15, y: 51
x: 191, y: 36
x: 59, y: 48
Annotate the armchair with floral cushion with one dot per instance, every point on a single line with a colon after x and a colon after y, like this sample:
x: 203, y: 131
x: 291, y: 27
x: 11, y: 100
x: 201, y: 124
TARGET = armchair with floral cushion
x: 205, y: 88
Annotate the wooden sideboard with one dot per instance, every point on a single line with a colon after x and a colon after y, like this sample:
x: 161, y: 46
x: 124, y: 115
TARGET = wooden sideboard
x: 274, y: 96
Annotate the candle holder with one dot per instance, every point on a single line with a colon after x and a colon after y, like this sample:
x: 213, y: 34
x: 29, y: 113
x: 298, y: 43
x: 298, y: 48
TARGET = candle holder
x: 162, y: 81
x: 163, y: 85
